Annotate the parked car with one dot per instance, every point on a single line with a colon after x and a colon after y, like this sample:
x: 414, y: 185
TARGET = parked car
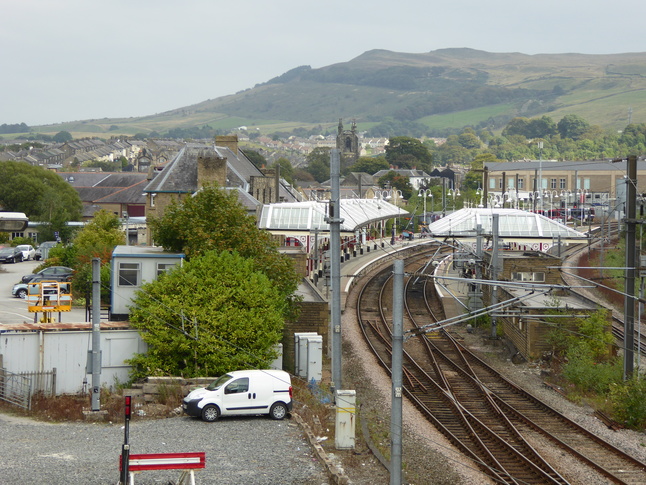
x: 43, y: 250
x: 20, y: 290
x: 28, y: 251
x: 10, y: 255
x: 244, y: 392
x: 54, y: 273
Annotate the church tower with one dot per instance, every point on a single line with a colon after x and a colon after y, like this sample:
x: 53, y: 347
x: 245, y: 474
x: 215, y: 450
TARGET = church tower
x: 347, y: 142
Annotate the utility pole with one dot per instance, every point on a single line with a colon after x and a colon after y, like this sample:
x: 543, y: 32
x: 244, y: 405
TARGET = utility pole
x: 494, y: 271
x: 96, y: 334
x: 397, y: 374
x: 631, y: 253
x: 335, y: 221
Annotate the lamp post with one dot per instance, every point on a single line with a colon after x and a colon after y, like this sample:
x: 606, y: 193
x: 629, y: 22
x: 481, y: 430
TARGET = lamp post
x: 565, y: 196
x: 426, y: 193
x: 453, y: 193
x: 480, y: 193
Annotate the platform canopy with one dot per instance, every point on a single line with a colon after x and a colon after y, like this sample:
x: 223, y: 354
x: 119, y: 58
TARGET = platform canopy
x: 512, y: 224
x: 307, y: 216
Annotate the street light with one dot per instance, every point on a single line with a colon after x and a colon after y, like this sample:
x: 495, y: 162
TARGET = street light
x: 565, y: 196
x: 480, y: 192
x: 424, y: 193
x: 453, y: 193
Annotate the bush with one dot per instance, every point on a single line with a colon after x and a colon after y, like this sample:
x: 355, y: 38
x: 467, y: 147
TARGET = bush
x: 629, y: 402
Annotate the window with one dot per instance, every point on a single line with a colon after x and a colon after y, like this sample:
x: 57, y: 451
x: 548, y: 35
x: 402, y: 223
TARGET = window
x: 152, y: 200
x: 521, y: 184
x: 527, y: 276
x: 129, y: 274
x: 14, y: 235
x: 164, y: 268
x: 492, y: 183
x: 552, y: 183
x: 237, y: 386
x: 562, y: 184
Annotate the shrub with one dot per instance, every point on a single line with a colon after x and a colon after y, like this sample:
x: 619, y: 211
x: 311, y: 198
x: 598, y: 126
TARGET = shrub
x: 629, y: 402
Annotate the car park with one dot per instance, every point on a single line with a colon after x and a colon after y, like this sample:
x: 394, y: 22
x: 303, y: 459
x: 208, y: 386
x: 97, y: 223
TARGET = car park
x: 54, y: 273
x: 43, y: 250
x: 10, y: 255
x: 244, y: 392
x: 28, y: 251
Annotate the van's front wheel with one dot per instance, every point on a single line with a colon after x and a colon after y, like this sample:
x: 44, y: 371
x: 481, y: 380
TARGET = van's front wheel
x: 210, y: 413
x: 278, y: 411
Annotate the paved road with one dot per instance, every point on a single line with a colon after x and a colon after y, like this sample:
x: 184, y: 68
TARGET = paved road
x: 14, y: 310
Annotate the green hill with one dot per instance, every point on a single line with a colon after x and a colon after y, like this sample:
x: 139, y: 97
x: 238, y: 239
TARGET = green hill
x: 442, y: 89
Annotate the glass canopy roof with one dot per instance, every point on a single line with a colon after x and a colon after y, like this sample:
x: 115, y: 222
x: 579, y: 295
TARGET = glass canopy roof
x: 511, y: 223
x: 310, y: 215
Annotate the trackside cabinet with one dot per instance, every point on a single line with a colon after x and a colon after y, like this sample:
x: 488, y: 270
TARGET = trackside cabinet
x: 345, y: 419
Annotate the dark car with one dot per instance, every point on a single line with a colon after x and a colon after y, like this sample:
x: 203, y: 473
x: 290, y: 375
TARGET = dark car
x: 52, y: 273
x: 10, y: 255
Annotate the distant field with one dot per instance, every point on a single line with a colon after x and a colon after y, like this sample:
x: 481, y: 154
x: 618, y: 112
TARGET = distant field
x: 470, y: 117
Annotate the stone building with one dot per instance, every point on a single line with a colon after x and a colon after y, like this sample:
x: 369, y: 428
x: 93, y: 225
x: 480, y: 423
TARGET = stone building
x: 347, y: 142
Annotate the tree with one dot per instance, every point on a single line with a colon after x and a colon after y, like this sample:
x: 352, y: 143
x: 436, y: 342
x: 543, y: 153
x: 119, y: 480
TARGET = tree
x: 96, y: 240
x: 286, y: 169
x: 214, y: 220
x: 407, y: 152
x: 318, y: 163
x: 369, y: 165
x: 63, y: 137
x: 572, y: 126
x: 215, y: 314
x: 255, y: 157
x: 41, y: 194
x: 398, y: 182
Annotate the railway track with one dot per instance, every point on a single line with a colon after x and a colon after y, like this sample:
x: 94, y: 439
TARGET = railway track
x: 487, y: 417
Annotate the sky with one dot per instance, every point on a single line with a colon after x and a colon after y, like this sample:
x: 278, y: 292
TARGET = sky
x: 68, y: 60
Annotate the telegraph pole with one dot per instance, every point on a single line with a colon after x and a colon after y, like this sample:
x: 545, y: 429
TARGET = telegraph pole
x: 335, y: 221
x: 397, y: 374
x: 96, y: 334
x: 631, y: 253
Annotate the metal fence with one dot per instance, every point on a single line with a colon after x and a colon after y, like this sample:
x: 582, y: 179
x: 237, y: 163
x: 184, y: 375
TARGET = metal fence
x: 18, y: 389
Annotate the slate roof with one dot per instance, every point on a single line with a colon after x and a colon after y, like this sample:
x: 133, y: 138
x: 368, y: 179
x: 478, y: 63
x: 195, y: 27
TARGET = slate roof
x: 108, y: 187
x: 180, y: 174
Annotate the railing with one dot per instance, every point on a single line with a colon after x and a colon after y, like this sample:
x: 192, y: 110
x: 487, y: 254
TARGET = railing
x: 18, y: 388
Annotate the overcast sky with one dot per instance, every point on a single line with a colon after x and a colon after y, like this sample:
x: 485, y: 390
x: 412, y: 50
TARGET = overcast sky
x: 66, y: 60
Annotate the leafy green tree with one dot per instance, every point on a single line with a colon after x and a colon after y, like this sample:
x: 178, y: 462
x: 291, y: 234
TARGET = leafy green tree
x: 369, y: 165
x: 215, y: 314
x: 572, y: 126
x: 318, y: 163
x: 469, y: 140
x: 255, y: 157
x: 41, y: 194
x: 97, y: 239
x: 62, y: 137
x: 286, y: 169
x: 407, y: 152
x: 542, y: 127
x: 517, y: 126
x: 397, y: 182
x: 214, y: 220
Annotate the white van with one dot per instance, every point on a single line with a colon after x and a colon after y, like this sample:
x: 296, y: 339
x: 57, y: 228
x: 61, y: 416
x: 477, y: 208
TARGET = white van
x: 242, y: 392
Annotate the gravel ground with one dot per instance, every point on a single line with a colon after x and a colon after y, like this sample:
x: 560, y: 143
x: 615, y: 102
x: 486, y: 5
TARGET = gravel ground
x: 253, y: 450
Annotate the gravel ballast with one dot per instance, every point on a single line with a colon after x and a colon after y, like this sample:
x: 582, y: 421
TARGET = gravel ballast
x: 249, y: 450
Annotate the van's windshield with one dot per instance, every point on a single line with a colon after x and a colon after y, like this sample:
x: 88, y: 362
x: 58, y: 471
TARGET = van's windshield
x: 218, y: 382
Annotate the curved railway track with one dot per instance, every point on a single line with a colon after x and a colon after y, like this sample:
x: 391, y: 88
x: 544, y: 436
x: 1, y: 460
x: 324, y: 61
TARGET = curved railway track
x: 487, y: 417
